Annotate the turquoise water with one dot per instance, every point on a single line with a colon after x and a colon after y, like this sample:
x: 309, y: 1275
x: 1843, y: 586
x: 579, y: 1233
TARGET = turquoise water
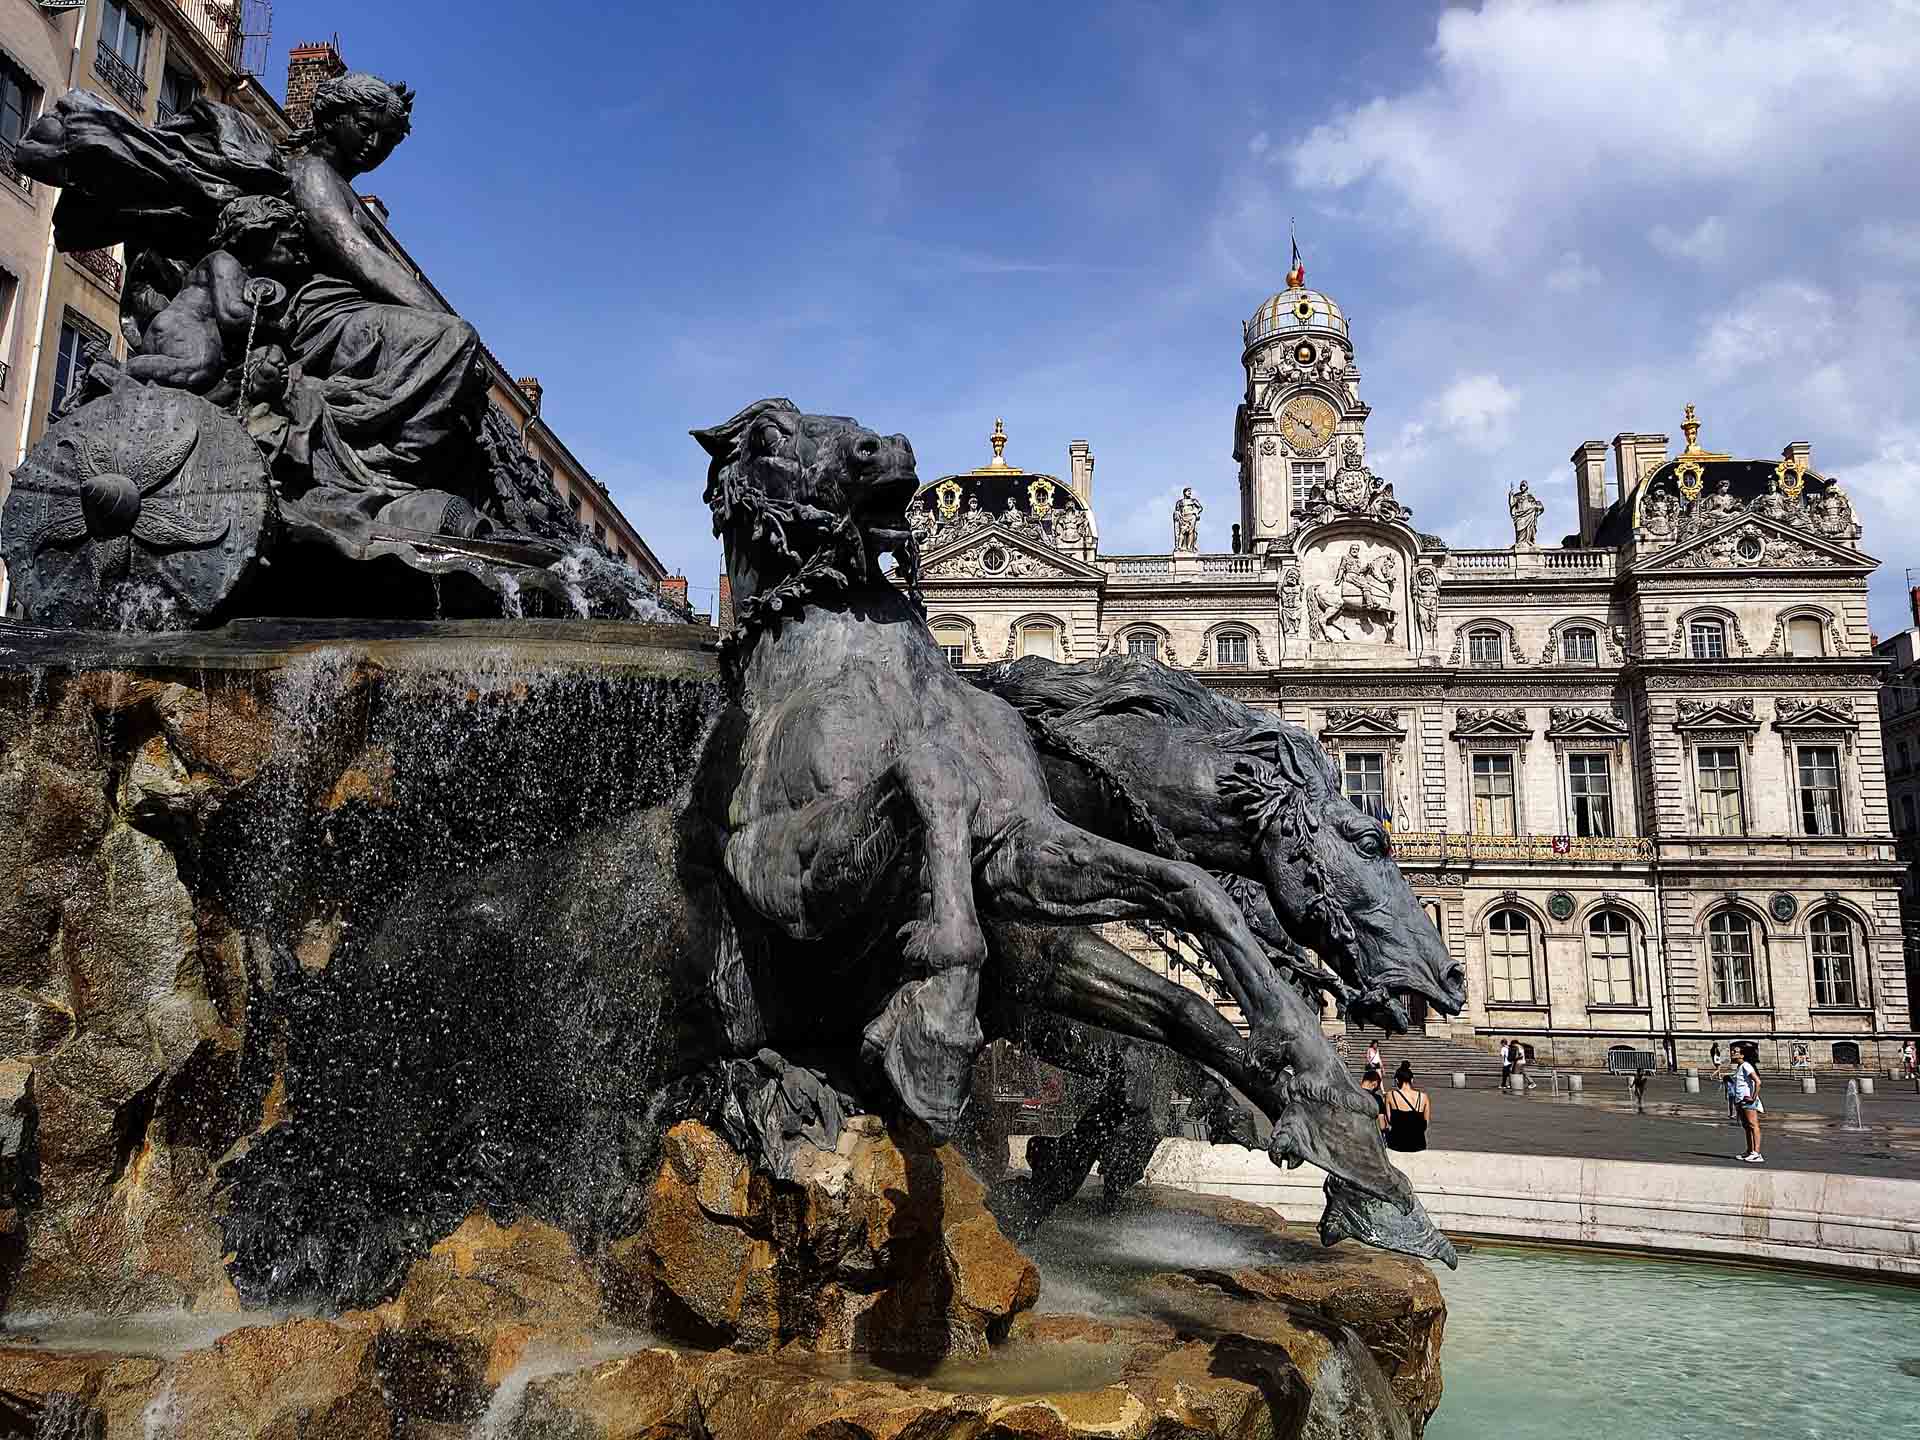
x: 1563, y: 1345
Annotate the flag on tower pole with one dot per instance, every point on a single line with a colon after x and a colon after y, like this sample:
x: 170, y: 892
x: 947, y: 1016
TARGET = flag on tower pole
x: 1297, y: 276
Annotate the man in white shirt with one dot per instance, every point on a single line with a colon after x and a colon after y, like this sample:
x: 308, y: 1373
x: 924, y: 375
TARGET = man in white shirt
x: 1744, y: 1086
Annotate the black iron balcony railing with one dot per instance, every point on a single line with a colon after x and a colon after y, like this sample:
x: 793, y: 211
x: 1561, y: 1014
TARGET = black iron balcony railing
x: 127, y: 83
x: 102, y: 266
x: 6, y: 374
x: 10, y: 167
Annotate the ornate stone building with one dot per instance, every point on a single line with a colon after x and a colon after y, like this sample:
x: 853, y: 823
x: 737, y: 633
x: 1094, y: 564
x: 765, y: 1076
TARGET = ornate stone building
x: 1636, y: 777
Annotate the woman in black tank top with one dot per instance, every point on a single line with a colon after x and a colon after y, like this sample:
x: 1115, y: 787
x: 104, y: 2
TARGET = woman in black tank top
x: 1408, y: 1111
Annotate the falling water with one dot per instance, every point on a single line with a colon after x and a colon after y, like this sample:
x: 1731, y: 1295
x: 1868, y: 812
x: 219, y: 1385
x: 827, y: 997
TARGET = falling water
x: 1852, y: 1120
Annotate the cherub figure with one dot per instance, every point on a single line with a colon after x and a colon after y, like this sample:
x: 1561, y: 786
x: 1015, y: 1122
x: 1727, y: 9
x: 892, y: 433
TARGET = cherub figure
x: 199, y: 340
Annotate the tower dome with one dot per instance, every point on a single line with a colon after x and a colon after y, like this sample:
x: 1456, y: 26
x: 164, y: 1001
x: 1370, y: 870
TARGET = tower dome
x: 1296, y: 310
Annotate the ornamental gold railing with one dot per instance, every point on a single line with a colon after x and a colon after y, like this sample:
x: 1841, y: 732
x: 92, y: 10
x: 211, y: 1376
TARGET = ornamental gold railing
x: 1447, y: 848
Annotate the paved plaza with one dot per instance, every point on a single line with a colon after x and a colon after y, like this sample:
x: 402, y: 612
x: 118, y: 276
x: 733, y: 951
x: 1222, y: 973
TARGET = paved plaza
x: 1801, y: 1132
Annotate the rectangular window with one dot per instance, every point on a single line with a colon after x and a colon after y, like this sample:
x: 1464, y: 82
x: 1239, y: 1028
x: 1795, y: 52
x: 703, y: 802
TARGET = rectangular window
x: 1906, y: 756
x: 178, y: 90
x: 69, y: 369
x: 573, y: 503
x: 1590, y: 794
x: 1143, y: 646
x: 1805, y: 637
x: 1819, y: 790
x: 1707, y: 640
x: 1493, y: 798
x: 9, y: 292
x: 1484, y: 648
x: 1509, y: 958
x: 1581, y: 647
x: 1307, y: 475
x: 1038, y: 640
x: 600, y: 532
x: 123, y: 33
x: 1831, y: 939
x: 1906, y: 813
x: 1610, y: 960
x: 17, y: 96
x: 1363, y: 776
x: 1736, y: 980
x: 1720, y: 810
x: 952, y: 641
x: 1230, y: 649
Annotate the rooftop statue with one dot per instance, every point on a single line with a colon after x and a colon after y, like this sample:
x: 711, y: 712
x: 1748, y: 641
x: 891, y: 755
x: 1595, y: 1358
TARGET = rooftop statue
x: 1526, y: 509
x: 340, y: 409
x: 1186, y: 521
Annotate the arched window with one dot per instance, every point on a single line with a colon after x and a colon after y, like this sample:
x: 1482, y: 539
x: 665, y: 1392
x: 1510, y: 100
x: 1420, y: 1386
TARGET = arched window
x: 1040, y: 638
x: 1510, y: 957
x: 1230, y: 648
x: 1831, y: 945
x: 1707, y: 639
x: 1806, y: 636
x: 951, y: 637
x: 1736, y: 974
x: 1580, y: 646
x: 1143, y: 645
x: 1610, y: 958
x: 1485, y: 648
x: 1846, y: 1052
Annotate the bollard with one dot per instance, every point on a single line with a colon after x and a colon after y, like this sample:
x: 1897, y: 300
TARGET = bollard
x: 1866, y: 1085
x: 1576, y: 1084
x: 1459, y: 1079
x: 1517, y: 1083
x: 1693, y: 1082
x: 1807, y: 1086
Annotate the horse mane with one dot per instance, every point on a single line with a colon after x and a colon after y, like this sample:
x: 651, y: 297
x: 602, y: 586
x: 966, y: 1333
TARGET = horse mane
x: 1067, y: 697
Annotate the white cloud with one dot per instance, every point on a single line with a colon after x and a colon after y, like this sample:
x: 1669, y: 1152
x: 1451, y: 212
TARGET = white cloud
x: 1573, y: 274
x: 1763, y: 324
x: 1476, y: 410
x: 1890, y: 476
x: 1527, y: 100
x: 1892, y: 240
x: 1259, y: 144
x: 1705, y: 242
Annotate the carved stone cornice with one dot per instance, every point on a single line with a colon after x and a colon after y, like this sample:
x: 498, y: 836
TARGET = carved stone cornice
x: 1573, y: 723
x: 1723, y: 712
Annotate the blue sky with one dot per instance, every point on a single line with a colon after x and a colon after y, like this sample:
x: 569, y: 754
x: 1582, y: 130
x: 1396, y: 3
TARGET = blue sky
x: 1548, y: 222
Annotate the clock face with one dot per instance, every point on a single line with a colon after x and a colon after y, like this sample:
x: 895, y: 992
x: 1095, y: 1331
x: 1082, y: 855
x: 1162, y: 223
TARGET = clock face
x: 1307, y: 421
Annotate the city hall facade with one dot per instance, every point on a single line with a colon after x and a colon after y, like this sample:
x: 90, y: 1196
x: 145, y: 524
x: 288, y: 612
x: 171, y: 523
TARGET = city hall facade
x: 1635, y: 778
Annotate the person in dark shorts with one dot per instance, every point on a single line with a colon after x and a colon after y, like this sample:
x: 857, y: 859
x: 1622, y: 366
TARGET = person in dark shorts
x: 1408, y: 1111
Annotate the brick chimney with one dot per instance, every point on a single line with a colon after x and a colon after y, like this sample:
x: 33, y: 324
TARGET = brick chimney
x: 723, y: 607
x: 531, y: 388
x: 1590, y: 486
x: 1080, y: 469
x: 307, y: 66
x: 673, y: 590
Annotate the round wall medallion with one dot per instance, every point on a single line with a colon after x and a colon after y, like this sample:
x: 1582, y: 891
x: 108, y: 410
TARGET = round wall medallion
x: 993, y: 559
x: 1560, y: 905
x: 1749, y: 548
x: 1305, y: 353
x: 1783, y: 906
x: 1303, y: 311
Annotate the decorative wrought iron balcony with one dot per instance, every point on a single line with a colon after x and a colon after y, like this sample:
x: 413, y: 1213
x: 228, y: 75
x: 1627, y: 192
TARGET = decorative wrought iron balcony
x: 6, y: 373
x: 10, y: 167
x: 127, y: 83
x: 102, y: 266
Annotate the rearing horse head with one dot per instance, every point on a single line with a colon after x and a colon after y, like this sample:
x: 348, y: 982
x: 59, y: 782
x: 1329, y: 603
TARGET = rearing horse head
x: 805, y: 503
x: 1330, y: 873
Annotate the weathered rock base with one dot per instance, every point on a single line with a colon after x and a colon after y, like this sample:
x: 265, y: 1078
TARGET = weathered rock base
x: 509, y: 1335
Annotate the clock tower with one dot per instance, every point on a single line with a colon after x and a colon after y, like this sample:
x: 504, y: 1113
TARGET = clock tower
x: 1302, y: 405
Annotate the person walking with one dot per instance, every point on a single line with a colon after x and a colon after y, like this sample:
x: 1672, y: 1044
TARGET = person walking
x: 1520, y: 1065
x: 1910, y: 1058
x: 1373, y: 1055
x: 1506, y: 1064
x: 1745, y: 1089
x: 1716, y: 1057
x: 1408, y: 1111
